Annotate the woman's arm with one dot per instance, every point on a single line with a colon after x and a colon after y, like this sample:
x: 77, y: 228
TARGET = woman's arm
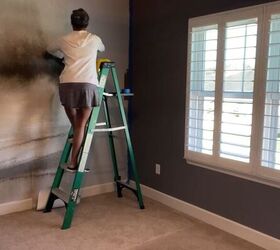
x: 101, y: 46
x: 54, y: 49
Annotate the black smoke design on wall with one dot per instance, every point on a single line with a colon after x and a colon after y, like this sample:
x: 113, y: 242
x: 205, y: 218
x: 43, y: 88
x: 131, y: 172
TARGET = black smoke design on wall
x: 23, y: 44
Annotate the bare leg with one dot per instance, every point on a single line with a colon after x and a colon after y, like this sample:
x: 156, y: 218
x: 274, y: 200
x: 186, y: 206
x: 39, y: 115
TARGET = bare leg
x: 81, y: 119
x: 71, y: 114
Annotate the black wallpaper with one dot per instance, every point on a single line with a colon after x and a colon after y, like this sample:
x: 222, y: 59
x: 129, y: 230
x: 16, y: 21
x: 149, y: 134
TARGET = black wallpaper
x: 158, y: 69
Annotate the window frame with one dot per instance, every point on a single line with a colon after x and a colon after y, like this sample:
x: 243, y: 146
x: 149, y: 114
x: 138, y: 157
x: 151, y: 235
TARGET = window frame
x: 252, y: 170
x: 265, y: 172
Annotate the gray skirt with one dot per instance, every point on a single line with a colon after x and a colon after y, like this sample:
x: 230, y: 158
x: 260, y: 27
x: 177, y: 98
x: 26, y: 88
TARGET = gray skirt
x: 78, y: 94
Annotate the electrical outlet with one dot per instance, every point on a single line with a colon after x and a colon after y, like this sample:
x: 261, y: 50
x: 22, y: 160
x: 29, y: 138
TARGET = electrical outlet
x: 157, y: 168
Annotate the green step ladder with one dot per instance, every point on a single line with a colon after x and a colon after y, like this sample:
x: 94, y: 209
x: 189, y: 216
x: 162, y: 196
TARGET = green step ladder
x: 71, y: 198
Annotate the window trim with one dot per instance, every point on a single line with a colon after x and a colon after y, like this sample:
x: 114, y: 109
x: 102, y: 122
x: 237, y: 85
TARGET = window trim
x: 265, y: 172
x: 252, y: 170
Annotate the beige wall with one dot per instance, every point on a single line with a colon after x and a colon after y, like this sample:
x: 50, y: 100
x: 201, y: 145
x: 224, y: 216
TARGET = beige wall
x: 33, y: 125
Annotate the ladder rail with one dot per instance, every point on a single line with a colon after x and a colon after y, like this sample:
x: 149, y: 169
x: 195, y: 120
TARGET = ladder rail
x: 72, y: 201
x: 92, y: 122
x: 60, y: 171
x: 111, y: 141
x: 128, y: 139
x: 88, y: 139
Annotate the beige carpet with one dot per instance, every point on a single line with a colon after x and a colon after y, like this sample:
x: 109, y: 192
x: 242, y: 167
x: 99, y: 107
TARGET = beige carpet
x: 107, y: 222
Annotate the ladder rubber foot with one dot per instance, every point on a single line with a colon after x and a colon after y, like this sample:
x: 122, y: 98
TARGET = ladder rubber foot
x: 142, y: 207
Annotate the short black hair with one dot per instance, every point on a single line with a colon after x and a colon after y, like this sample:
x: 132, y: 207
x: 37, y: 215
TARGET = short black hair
x: 79, y: 19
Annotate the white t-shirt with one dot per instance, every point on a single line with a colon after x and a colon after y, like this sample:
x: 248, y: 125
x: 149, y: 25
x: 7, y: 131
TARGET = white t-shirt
x: 79, y: 49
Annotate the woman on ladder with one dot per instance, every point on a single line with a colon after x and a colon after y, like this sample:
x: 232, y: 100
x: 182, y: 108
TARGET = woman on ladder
x: 78, y: 88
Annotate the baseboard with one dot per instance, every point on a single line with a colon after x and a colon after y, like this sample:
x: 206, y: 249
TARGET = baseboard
x: 97, y: 189
x: 232, y: 227
x: 27, y: 204
x: 15, y: 206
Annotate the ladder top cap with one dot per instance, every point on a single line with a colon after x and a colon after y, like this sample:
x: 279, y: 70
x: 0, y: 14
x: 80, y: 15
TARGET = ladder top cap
x: 107, y: 64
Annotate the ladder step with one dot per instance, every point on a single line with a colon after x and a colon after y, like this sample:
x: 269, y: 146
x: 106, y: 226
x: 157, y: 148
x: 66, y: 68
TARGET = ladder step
x: 108, y: 94
x: 99, y: 124
x: 115, y: 94
x: 109, y: 129
x: 66, y: 165
x: 60, y: 194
